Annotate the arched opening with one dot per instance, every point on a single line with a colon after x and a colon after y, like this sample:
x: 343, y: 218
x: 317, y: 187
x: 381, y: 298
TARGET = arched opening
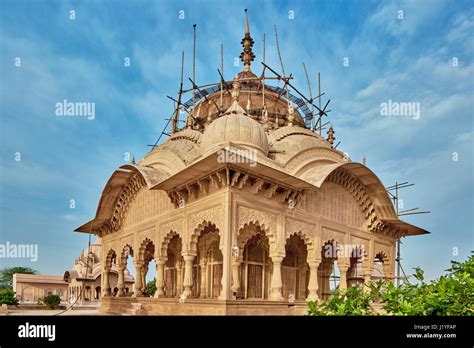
x: 97, y: 292
x: 327, y: 272
x: 174, y: 267
x: 147, y: 254
x: 379, y: 262
x: 126, y: 258
x: 256, y: 266
x: 207, y: 272
x: 295, y: 269
x: 110, y: 261
x: 355, y: 274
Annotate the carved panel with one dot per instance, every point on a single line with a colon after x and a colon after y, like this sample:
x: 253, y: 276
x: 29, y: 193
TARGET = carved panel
x: 247, y: 215
x: 214, y: 215
x: 328, y: 235
x: 336, y: 203
x: 147, y: 204
x: 293, y: 226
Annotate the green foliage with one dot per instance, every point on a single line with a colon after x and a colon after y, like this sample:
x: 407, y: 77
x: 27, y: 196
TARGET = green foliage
x: 353, y: 301
x: 451, y: 294
x: 150, y: 288
x: 6, y: 275
x: 7, y: 296
x: 51, y: 301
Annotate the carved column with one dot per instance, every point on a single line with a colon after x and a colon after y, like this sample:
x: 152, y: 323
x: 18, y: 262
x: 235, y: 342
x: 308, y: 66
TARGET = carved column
x: 313, y: 285
x: 144, y: 272
x: 179, y: 276
x: 388, y: 271
x: 160, y: 278
x: 276, y: 284
x: 106, y: 283
x: 236, y: 262
x: 203, y: 265
x: 343, y: 264
x: 188, y: 274
x: 121, y: 280
x: 138, y: 279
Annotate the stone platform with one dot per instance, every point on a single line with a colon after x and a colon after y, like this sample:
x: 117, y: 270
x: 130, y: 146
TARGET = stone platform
x: 171, y: 306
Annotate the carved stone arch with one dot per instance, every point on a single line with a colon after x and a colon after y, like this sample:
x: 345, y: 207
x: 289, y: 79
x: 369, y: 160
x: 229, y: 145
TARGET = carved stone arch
x: 302, y: 230
x: 265, y: 221
x: 336, y: 246
x: 165, y: 241
x: 143, y: 248
x: 110, y: 258
x: 196, y: 233
x: 304, y: 237
x: 248, y: 230
x: 203, y: 218
x: 125, y: 251
x: 382, y: 256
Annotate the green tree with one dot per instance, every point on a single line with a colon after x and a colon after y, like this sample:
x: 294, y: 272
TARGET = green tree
x: 151, y: 287
x: 6, y: 275
x: 7, y: 296
x: 450, y: 294
x: 51, y: 301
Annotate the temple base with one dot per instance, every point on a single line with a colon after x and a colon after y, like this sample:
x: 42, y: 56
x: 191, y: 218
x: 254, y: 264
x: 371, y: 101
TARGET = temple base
x: 171, y: 306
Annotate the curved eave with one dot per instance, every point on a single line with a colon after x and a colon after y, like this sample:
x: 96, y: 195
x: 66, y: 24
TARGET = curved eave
x: 373, y: 184
x: 107, y: 202
x: 409, y: 229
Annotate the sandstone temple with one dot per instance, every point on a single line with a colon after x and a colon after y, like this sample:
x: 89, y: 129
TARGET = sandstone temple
x: 246, y: 210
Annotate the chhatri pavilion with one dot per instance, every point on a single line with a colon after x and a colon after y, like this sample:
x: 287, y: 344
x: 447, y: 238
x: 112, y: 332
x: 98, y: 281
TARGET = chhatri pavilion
x: 247, y: 210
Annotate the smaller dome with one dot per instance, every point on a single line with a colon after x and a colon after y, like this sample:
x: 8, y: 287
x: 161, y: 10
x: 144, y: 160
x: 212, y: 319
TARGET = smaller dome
x: 236, y: 127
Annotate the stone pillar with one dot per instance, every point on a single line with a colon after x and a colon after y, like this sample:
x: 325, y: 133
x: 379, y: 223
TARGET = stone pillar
x: 188, y: 274
x: 121, y: 280
x: 106, y: 283
x: 343, y: 264
x: 313, y: 285
x: 160, y: 278
x: 276, y: 285
x: 138, y: 280
x: 388, y: 271
x: 203, y: 265
x: 236, y: 262
x: 179, y: 276
x: 144, y: 272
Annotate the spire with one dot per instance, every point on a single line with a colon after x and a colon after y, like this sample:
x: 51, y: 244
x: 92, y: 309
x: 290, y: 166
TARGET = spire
x: 330, y: 133
x: 247, y: 55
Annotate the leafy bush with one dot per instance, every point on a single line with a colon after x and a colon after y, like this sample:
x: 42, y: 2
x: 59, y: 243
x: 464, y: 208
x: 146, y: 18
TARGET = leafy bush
x: 451, y: 294
x: 151, y: 287
x: 51, y: 301
x: 8, y: 297
x: 353, y: 301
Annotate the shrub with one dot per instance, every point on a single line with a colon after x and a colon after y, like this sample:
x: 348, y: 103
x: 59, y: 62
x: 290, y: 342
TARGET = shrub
x: 51, y: 301
x: 8, y: 297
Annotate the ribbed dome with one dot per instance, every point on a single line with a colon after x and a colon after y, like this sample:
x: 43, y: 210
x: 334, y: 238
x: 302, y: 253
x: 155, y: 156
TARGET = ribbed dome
x: 234, y: 126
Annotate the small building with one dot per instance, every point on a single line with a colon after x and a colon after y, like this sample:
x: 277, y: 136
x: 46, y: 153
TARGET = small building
x: 30, y: 288
x: 84, y: 279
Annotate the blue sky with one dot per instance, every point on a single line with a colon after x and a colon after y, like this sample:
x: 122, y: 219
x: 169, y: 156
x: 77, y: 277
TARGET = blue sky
x: 64, y: 158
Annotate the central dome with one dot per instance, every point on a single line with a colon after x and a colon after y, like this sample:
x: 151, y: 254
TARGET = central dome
x: 236, y: 127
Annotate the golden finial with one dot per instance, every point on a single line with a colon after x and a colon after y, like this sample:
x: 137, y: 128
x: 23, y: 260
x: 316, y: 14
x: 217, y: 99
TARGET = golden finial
x: 247, y: 55
x: 330, y: 133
